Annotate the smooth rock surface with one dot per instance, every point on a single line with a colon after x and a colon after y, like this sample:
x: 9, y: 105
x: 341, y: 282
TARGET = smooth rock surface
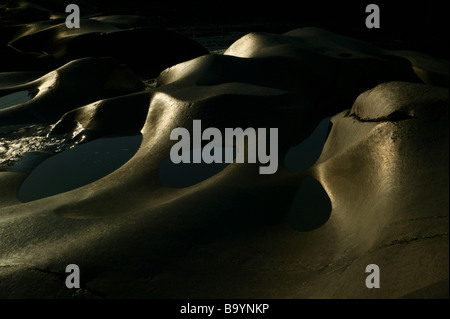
x: 60, y: 90
x: 381, y: 180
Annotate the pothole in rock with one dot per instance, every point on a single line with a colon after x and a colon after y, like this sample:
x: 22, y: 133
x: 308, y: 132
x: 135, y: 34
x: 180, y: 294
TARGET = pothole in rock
x: 79, y: 166
x: 17, y: 98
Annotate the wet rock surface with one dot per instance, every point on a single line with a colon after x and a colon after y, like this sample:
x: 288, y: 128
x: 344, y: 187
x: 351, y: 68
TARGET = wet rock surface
x: 374, y: 189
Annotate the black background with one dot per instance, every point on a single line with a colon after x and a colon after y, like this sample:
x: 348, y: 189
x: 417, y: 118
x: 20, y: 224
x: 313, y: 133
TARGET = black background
x: 415, y: 25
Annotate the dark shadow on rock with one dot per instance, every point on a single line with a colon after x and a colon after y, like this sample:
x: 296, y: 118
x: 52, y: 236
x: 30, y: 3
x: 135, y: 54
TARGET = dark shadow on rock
x: 77, y: 167
x: 303, y: 155
x: 183, y: 175
x: 311, y: 207
x: 109, y: 116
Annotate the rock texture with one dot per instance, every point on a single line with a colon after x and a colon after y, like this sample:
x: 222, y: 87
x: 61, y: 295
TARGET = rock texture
x: 376, y: 191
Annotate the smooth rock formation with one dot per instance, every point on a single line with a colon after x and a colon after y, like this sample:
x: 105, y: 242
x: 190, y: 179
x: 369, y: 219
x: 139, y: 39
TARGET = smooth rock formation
x: 128, y: 39
x: 122, y: 114
x: 67, y: 88
x: 377, y: 194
